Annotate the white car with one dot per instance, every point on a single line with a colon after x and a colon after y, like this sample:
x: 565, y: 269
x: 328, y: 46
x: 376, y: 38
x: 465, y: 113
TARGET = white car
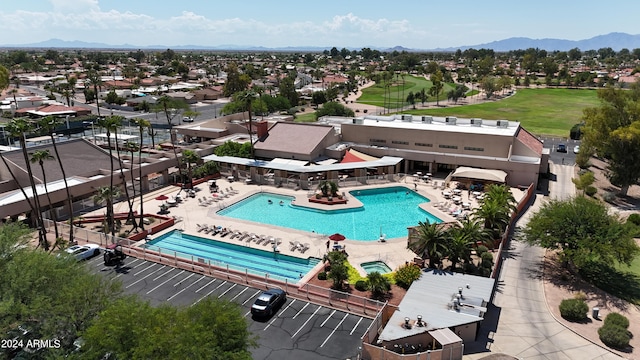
x: 187, y: 119
x: 83, y: 252
x: 576, y: 149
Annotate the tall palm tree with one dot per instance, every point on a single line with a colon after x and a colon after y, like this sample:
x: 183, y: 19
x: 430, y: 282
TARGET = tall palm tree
x: 13, y: 92
x: 94, y: 80
x: 170, y: 107
x: 431, y: 241
x: 108, y: 124
x: 19, y: 127
x: 142, y: 125
x: 247, y: 98
x: 39, y: 157
x: 48, y: 125
x: 132, y: 147
x: 15, y: 179
x: 116, y: 123
x: 105, y: 195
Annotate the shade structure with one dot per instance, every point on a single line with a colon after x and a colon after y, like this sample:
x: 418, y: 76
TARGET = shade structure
x: 162, y: 197
x: 337, y: 237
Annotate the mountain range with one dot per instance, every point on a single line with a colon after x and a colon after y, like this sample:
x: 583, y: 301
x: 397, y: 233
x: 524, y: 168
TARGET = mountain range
x: 616, y: 41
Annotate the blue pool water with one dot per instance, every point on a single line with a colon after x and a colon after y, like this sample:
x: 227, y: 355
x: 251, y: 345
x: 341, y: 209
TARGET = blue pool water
x: 388, y: 210
x: 373, y: 266
x: 238, y: 257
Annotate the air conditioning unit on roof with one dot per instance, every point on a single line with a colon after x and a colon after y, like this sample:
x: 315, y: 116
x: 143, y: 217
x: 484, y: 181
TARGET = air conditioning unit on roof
x: 451, y: 120
x: 502, y: 124
x: 476, y: 122
x: 427, y: 119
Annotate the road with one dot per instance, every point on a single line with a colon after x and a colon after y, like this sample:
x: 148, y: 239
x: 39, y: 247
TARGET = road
x: 525, y: 328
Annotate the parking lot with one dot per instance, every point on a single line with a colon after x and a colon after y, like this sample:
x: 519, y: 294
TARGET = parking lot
x: 299, y: 330
x: 561, y: 158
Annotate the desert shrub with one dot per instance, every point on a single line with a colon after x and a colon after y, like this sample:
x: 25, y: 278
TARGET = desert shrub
x: 634, y: 219
x: 574, y: 309
x: 617, y: 320
x: 580, y: 296
x: 406, y: 275
x: 322, y: 275
x: 361, y: 285
x: 481, y: 250
x: 614, y: 336
x: 609, y: 196
x: 590, y: 190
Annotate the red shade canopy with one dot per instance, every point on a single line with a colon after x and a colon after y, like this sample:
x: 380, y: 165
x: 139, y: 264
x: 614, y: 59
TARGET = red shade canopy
x: 162, y: 197
x: 337, y: 237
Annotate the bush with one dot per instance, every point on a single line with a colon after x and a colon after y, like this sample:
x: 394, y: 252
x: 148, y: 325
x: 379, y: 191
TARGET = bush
x: 406, y: 275
x: 322, y: 275
x: 609, y: 196
x: 361, y: 285
x: 574, y: 309
x: 590, y: 190
x: 580, y: 296
x: 614, y: 336
x: 617, y: 320
x: 481, y: 250
x: 634, y: 219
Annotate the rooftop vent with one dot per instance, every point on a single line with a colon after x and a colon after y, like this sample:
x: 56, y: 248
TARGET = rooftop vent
x: 406, y: 117
x: 476, y: 122
x: 502, y: 124
x: 420, y: 323
x: 451, y: 120
x: 427, y: 119
x: 407, y: 324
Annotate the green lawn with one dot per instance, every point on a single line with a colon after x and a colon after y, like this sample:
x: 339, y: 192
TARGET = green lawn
x: 375, y: 95
x: 541, y: 111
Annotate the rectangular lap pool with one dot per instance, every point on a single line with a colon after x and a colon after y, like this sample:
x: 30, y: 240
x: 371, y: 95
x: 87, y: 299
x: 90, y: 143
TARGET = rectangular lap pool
x: 239, y: 258
x: 389, y: 210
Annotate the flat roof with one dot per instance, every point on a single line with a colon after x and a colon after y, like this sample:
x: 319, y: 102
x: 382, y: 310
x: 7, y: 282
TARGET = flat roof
x: 15, y: 196
x: 278, y: 164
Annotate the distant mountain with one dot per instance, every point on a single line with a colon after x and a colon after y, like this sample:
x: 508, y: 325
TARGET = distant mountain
x: 616, y: 41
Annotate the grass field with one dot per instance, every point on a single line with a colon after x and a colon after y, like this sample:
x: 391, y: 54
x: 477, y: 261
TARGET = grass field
x: 374, y: 95
x: 541, y: 111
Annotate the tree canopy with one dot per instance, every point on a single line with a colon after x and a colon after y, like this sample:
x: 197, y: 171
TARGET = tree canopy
x: 333, y: 109
x: 582, y: 231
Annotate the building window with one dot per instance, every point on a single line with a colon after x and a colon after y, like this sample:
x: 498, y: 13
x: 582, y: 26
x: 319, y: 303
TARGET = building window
x: 471, y: 148
x: 378, y: 141
x: 423, y: 144
x: 447, y: 146
x: 400, y: 142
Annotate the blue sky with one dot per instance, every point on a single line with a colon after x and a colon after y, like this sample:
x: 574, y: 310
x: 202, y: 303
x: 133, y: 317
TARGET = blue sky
x: 347, y: 23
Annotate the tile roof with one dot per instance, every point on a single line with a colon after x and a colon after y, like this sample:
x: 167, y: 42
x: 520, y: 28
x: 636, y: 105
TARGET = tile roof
x: 530, y: 141
x: 294, y: 138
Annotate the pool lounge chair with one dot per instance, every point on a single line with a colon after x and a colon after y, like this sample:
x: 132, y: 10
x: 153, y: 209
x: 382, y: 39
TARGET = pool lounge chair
x: 243, y: 236
x: 293, y: 245
x: 303, y: 247
x: 202, y: 227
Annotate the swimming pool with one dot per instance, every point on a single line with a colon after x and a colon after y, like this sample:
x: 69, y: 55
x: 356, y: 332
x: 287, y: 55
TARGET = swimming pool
x: 373, y: 266
x: 389, y: 210
x: 238, y: 257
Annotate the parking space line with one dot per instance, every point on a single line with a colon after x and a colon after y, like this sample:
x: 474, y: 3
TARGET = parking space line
x: 94, y: 259
x: 197, y: 291
x: 149, y: 274
x: 180, y: 282
x: 240, y: 293
x: 328, y: 317
x: 188, y: 286
x: 252, y: 296
x: 306, y: 322
x: 354, y: 328
x: 142, y: 263
x: 163, y: 274
x: 226, y: 291
x: 209, y: 293
x: 145, y: 269
x: 334, y: 329
x: 166, y: 281
x: 296, y: 315
x: 276, y: 317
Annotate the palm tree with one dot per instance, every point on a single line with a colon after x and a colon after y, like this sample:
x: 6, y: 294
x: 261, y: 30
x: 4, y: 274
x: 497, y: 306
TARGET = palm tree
x: 494, y: 216
x: 116, y: 123
x: 94, y: 79
x: 142, y: 124
x: 14, y: 92
x: 378, y: 284
x: 170, y: 108
x: 247, y: 98
x: 459, y: 246
x: 15, y: 179
x: 431, y: 241
x: 132, y: 147
x: 502, y: 195
x: 39, y: 156
x: 106, y: 194
x: 476, y: 232
x: 108, y: 124
x: 190, y: 157
x: 19, y: 128
x: 48, y: 124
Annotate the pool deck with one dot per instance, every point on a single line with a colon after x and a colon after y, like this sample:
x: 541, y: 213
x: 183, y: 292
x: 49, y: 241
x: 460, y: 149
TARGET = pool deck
x: 190, y: 213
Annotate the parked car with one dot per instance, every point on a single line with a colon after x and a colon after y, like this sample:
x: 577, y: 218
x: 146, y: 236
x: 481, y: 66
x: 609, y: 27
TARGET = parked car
x: 576, y: 149
x: 561, y: 148
x: 83, y: 252
x: 268, y: 302
x: 187, y: 119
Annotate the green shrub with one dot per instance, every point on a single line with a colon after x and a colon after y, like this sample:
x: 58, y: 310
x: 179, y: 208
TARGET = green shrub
x: 574, y: 309
x: 590, y: 190
x: 322, y: 275
x: 580, y: 296
x: 406, y: 275
x: 614, y: 336
x: 634, y: 219
x: 617, y: 320
x: 481, y: 250
x: 487, y: 258
x: 361, y: 285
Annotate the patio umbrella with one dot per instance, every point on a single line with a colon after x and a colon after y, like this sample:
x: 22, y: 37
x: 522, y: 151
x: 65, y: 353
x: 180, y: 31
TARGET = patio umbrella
x: 162, y: 197
x: 337, y: 237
